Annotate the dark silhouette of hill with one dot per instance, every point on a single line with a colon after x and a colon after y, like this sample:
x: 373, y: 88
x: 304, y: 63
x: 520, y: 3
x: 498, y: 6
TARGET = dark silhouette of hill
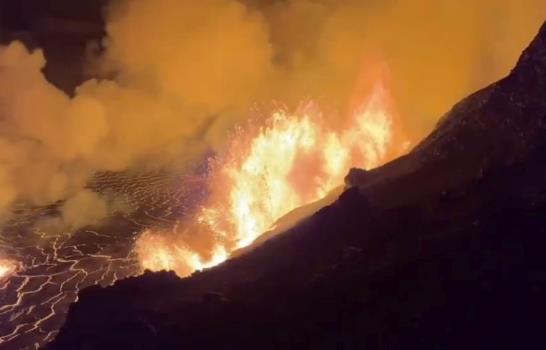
x: 440, y: 249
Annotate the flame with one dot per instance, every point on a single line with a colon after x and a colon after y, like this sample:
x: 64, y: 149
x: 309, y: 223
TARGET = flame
x: 291, y: 160
x: 7, y: 268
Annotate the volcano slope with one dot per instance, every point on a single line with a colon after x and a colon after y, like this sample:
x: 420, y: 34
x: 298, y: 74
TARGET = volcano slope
x: 442, y: 248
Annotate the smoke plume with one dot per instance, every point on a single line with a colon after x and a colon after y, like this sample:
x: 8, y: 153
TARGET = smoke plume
x: 176, y: 75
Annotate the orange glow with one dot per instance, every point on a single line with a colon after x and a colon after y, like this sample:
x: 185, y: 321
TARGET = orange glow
x: 157, y: 252
x: 7, y: 268
x: 291, y: 160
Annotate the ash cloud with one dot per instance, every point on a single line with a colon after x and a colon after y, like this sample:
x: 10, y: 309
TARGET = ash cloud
x: 181, y: 73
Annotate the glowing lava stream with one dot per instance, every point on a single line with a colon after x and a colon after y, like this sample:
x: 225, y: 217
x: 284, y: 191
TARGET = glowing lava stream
x: 266, y: 172
x: 7, y: 268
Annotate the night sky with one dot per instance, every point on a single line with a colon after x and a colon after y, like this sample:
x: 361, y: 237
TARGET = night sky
x: 62, y: 28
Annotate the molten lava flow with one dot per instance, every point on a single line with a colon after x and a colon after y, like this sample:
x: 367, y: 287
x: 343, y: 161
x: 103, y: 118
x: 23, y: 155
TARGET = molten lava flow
x: 7, y: 268
x: 266, y: 172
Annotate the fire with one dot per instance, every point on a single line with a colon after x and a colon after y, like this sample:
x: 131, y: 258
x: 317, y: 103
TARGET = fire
x: 157, y: 252
x: 291, y: 160
x: 7, y: 268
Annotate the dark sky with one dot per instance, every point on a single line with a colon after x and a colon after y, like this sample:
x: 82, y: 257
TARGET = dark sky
x: 62, y: 28
x: 23, y: 14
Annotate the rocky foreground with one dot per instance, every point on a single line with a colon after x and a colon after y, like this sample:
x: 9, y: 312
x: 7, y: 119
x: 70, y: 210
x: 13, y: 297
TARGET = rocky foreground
x: 442, y: 248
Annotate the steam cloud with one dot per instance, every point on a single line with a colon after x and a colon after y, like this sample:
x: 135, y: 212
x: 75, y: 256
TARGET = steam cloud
x: 186, y: 71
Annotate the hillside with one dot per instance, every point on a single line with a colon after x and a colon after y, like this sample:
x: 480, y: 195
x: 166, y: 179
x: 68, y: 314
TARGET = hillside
x: 442, y: 248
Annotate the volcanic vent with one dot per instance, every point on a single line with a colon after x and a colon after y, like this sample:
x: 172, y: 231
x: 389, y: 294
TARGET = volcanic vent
x: 441, y: 248
x: 170, y: 134
x: 267, y: 171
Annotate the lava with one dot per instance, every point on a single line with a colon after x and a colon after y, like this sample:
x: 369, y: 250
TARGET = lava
x: 290, y: 160
x: 52, y: 268
x: 7, y: 268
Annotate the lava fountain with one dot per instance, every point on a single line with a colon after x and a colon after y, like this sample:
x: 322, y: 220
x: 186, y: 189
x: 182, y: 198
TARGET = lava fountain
x: 290, y: 160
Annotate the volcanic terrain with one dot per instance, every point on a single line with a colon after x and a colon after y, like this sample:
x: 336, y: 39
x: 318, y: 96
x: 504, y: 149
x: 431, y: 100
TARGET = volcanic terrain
x: 439, y: 249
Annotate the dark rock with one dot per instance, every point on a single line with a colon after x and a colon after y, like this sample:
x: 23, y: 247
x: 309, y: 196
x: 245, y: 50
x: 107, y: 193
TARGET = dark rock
x: 356, y: 177
x: 442, y: 258
x: 214, y: 297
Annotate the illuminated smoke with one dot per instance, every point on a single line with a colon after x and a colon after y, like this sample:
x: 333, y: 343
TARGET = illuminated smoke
x: 185, y: 72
